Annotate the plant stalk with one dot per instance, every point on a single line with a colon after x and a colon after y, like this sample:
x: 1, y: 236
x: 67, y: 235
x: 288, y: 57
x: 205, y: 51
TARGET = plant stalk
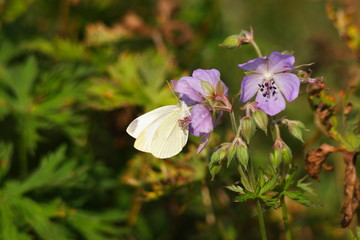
x: 285, y: 219
x: 261, y: 220
x: 233, y: 122
x: 256, y: 47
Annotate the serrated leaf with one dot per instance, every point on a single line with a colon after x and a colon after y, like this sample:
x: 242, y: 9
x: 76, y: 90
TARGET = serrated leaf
x: 236, y: 188
x: 301, y: 198
x: 53, y: 171
x: 305, y: 186
x: 98, y: 226
x: 269, y: 185
x: 38, y: 217
x: 24, y: 77
x: 245, y: 197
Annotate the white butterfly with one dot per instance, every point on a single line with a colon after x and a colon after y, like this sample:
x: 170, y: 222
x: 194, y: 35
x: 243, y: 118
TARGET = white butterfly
x: 163, y: 132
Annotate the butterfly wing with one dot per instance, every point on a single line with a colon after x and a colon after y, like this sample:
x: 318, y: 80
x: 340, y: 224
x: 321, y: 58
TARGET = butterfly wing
x: 147, y: 119
x: 158, y: 132
x: 169, y: 138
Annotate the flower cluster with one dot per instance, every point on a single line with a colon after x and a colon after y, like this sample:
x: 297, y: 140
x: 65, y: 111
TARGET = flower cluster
x: 269, y: 78
x: 205, y: 92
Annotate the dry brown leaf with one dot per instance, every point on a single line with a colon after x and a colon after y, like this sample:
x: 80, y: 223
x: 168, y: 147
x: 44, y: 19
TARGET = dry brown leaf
x: 314, y: 160
x: 352, y: 194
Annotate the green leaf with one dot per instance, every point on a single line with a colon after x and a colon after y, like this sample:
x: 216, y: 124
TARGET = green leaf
x: 245, y: 197
x: 8, y: 228
x: 38, y: 216
x: 301, y: 198
x: 53, y: 171
x: 269, y: 185
x: 236, y: 188
x: 305, y: 186
x: 24, y: 77
x: 98, y: 226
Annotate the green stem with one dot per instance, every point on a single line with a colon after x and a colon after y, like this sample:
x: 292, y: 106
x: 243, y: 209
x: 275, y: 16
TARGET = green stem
x: 233, y: 122
x: 285, y: 219
x: 276, y: 132
x: 261, y: 220
x: 258, y: 205
x: 256, y: 47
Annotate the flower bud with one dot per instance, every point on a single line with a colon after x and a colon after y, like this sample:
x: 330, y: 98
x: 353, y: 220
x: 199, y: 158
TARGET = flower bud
x: 242, y: 155
x: 275, y: 157
x: 283, y: 150
x: 261, y: 120
x: 286, y: 154
x: 232, y: 41
x: 247, y: 128
x: 214, y: 169
x: 295, y: 128
x: 235, y: 41
x: 219, y: 155
x: 231, y: 151
x: 216, y: 159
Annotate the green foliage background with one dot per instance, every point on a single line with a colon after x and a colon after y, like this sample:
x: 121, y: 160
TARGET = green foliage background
x: 74, y: 73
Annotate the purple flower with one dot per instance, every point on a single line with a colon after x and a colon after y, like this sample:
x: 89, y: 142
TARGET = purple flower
x: 270, y: 81
x: 205, y: 92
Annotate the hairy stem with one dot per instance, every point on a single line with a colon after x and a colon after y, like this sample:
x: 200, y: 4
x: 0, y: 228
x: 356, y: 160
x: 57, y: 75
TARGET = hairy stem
x: 233, y: 123
x: 261, y: 220
x: 285, y: 219
x: 258, y: 205
x: 256, y: 47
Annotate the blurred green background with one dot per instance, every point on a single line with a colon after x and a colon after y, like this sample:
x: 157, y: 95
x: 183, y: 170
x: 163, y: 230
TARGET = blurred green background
x: 75, y: 73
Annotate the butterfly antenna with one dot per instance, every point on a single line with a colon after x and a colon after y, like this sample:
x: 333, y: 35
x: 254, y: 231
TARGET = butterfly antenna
x: 172, y: 90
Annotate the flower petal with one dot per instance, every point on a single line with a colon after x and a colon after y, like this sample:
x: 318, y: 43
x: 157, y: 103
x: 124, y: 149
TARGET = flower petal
x: 289, y: 85
x: 257, y: 65
x: 280, y: 63
x: 211, y: 76
x: 201, y: 120
x: 187, y: 87
x: 272, y: 105
x: 249, y: 86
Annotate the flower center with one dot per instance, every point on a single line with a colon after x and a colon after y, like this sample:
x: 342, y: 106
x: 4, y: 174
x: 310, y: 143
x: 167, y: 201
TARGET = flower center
x: 268, y: 76
x: 268, y: 90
